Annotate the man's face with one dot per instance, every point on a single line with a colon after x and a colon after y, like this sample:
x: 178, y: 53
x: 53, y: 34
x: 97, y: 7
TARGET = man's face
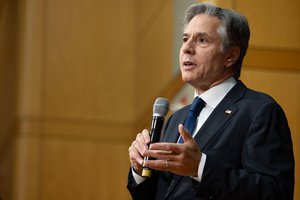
x: 202, y: 62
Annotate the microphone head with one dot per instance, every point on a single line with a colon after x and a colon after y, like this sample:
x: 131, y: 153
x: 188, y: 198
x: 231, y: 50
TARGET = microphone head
x: 161, y: 107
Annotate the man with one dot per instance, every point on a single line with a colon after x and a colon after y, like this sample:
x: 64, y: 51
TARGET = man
x: 241, y: 147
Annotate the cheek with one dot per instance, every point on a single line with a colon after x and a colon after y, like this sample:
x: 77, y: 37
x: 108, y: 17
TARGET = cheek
x: 205, y: 59
x: 214, y: 59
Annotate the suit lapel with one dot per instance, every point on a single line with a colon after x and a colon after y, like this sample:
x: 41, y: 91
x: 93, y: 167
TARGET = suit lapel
x: 216, y: 120
x: 221, y: 114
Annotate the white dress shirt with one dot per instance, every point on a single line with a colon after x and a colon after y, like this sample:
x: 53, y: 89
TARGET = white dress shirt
x: 212, y: 98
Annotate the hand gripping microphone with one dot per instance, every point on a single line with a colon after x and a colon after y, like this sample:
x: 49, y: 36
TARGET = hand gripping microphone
x: 160, y: 110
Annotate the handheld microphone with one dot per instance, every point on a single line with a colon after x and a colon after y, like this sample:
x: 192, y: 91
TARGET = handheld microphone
x: 160, y: 110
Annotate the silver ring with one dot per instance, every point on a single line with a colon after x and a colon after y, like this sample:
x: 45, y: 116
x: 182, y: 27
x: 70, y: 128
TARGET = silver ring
x: 167, y: 163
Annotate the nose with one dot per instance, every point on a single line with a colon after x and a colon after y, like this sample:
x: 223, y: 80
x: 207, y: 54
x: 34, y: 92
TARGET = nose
x: 188, y: 48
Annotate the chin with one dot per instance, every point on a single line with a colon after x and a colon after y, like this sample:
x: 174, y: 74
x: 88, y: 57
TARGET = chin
x: 187, y: 79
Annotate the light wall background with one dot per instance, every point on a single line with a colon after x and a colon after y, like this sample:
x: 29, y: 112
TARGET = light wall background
x: 78, y: 80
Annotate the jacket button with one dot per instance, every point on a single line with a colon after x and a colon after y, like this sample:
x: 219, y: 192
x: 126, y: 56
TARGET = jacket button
x: 211, y: 197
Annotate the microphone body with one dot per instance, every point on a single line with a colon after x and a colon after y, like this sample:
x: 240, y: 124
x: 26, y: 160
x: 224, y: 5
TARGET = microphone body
x: 156, y: 128
x: 160, y: 109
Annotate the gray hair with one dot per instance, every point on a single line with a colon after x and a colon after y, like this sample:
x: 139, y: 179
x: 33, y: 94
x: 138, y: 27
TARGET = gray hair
x: 234, y: 29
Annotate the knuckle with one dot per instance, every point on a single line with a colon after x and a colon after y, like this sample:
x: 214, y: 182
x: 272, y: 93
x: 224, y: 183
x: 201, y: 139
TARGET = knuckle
x: 138, y: 136
x: 133, y: 143
x: 131, y: 160
x: 181, y: 158
x: 143, y: 152
x: 134, y: 157
x: 170, y: 147
x: 145, y: 132
x: 131, y: 154
x: 146, y: 136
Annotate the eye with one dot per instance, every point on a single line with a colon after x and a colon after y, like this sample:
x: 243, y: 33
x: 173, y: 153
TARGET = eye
x: 202, y: 40
x: 184, y: 39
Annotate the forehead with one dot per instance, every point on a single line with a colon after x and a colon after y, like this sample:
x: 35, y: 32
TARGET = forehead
x: 203, y: 23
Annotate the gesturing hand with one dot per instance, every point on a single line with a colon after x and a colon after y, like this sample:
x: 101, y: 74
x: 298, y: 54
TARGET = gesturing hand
x: 182, y: 159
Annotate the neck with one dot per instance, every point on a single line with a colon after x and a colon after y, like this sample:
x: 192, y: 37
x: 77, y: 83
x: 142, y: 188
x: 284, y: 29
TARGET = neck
x: 200, y: 90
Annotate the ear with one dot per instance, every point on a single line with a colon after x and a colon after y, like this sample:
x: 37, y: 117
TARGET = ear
x: 232, y: 56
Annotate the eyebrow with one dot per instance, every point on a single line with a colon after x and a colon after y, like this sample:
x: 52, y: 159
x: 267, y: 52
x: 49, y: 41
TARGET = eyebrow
x: 197, y: 34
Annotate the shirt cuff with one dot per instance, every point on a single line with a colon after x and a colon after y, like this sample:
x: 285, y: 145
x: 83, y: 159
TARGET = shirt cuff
x: 138, y: 179
x: 201, y: 168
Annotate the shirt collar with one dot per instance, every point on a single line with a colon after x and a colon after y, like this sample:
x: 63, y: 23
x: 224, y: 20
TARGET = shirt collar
x: 214, y: 95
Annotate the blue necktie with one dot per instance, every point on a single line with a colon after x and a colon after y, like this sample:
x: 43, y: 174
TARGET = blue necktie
x: 190, y: 121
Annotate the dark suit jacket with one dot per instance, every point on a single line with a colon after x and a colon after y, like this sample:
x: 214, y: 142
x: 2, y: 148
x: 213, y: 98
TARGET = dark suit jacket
x: 249, y: 153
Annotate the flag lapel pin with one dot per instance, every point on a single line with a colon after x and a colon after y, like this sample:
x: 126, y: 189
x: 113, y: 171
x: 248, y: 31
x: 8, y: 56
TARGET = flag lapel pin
x: 228, y: 112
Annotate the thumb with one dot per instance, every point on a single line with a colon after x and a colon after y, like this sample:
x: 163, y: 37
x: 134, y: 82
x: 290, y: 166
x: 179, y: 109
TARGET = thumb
x: 185, y: 134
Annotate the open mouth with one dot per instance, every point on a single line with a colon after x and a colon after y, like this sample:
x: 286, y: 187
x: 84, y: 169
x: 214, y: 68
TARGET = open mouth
x: 188, y: 63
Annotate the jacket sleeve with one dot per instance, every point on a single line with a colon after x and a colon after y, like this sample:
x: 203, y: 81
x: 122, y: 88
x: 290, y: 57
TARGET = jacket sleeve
x: 142, y: 191
x: 267, y: 163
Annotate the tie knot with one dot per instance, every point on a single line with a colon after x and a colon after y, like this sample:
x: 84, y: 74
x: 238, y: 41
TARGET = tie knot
x: 197, y: 105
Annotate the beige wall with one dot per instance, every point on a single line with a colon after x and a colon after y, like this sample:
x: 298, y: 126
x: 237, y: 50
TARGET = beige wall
x: 8, y: 79
x: 82, y: 70
x: 77, y: 78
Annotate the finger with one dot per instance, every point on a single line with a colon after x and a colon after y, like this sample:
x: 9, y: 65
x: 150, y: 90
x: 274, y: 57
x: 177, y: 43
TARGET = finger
x: 159, y: 164
x: 161, y: 154
x: 146, y: 136
x: 165, y: 147
x: 185, y: 134
x: 135, y: 156
x: 136, y: 145
x: 141, y: 143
